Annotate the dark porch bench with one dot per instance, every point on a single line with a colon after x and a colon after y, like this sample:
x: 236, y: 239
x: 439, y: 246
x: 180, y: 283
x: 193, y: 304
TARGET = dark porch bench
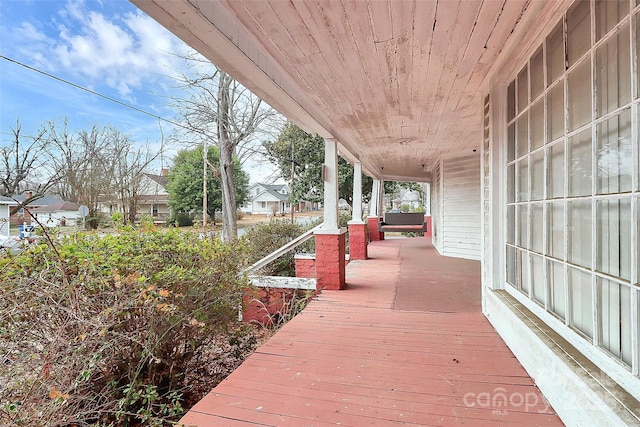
x: 403, y: 222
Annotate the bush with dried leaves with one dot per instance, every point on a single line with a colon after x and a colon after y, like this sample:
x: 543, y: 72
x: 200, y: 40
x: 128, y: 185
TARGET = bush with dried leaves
x: 102, y: 330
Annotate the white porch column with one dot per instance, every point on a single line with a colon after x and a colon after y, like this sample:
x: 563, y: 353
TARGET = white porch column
x: 330, y: 239
x: 375, y: 195
x: 381, y: 198
x: 357, y: 227
x: 357, y: 193
x: 375, y: 212
x: 330, y: 169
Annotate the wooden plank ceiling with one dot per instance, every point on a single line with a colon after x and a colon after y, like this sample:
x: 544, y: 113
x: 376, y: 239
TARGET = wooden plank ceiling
x: 395, y: 82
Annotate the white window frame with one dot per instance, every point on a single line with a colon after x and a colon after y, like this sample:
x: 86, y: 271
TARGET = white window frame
x: 590, y: 348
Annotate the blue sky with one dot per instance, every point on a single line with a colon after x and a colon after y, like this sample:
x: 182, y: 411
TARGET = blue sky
x: 108, y: 46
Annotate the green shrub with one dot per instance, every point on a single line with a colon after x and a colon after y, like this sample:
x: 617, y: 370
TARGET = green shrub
x: 101, y: 330
x: 263, y: 238
x: 181, y: 219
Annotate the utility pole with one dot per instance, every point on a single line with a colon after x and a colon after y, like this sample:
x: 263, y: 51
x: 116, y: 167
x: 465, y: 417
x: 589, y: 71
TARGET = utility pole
x: 292, y: 173
x: 204, y: 185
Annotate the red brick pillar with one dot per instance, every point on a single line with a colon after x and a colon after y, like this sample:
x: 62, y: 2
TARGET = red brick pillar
x: 357, y: 240
x: 330, y: 262
x: 374, y: 234
x: 305, y: 265
x: 427, y: 219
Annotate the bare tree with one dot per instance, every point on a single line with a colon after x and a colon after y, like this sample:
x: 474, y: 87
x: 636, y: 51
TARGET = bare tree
x: 129, y: 166
x: 23, y: 166
x: 218, y: 110
x: 100, y: 163
x: 81, y: 158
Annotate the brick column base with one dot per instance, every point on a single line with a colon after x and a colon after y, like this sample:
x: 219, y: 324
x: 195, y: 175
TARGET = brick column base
x: 305, y: 265
x: 330, y: 260
x: 374, y: 234
x: 427, y: 219
x: 358, y: 240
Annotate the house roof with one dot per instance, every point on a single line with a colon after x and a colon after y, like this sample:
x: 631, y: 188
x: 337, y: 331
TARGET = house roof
x: 7, y: 201
x: 274, y: 190
x: 58, y: 207
x: 43, y: 201
x: 159, y: 179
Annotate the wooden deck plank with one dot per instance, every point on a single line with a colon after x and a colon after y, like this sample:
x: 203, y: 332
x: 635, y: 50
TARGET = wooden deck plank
x: 356, y: 358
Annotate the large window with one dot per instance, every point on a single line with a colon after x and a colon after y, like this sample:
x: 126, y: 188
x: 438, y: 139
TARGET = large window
x: 573, y: 185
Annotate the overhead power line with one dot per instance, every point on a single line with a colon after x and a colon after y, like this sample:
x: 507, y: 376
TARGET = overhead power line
x: 93, y: 92
x: 108, y: 98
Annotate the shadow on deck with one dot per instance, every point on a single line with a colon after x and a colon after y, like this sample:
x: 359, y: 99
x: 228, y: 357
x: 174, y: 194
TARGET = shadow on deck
x: 405, y: 344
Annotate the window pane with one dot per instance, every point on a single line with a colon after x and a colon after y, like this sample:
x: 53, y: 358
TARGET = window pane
x: 523, y: 89
x: 608, y: 14
x: 536, y: 227
x: 613, y: 251
x: 537, y: 175
x: 537, y: 278
x: 511, y: 265
x: 579, y: 162
x: 579, y: 94
x: 511, y: 142
x: 522, y: 271
x: 511, y: 183
x: 579, y: 239
x: 555, y: 112
x: 536, y: 126
x: 555, y: 225
x: 613, y: 72
x: 638, y: 246
x: 615, y: 318
x: 511, y: 225
x: 523, y: 222
x: 638, y: 55
x: 523, y: 181
x: 522, y: 139
x: 581, y: 301
x: 555, y: 171
x: 578, y: 30
x: 614, y: 160
x: 511, y: 101
x: 557, y: 295
x: 555, y: 54
x: 537, y: 73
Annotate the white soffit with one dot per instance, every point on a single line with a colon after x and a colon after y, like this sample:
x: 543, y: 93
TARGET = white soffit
x: 397, y: 83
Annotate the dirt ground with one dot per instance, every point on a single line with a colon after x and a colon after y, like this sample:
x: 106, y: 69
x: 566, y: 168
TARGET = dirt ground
x: 248, y: 220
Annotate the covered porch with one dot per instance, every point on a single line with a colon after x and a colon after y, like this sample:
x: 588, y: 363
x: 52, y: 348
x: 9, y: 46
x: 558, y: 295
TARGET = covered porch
x: 407, y: 344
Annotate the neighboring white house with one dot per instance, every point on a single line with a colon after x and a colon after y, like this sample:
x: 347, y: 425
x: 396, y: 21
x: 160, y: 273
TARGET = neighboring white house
x: 405, y: 197
x: 5, y: 209
x: 24, y: 215
x: 58, y: 213
x: 152, y: 198
x: 267, y: 199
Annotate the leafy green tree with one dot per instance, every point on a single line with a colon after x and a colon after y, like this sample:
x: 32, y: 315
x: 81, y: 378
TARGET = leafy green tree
x: 306, y: 152
x: 186, y: 178
x: 217, y: 109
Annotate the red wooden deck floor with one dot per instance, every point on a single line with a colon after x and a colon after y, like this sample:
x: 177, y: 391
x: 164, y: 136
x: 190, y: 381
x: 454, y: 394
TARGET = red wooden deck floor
x: 405, y: 344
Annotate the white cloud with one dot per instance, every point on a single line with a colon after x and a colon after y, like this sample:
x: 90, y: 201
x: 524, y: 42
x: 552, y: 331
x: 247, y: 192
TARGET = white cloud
x: 124, y: 52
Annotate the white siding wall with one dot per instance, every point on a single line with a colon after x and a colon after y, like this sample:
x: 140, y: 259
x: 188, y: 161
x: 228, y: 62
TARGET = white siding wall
x: 460, y: 225
x: 4, y: 220
x: 436, y: 207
